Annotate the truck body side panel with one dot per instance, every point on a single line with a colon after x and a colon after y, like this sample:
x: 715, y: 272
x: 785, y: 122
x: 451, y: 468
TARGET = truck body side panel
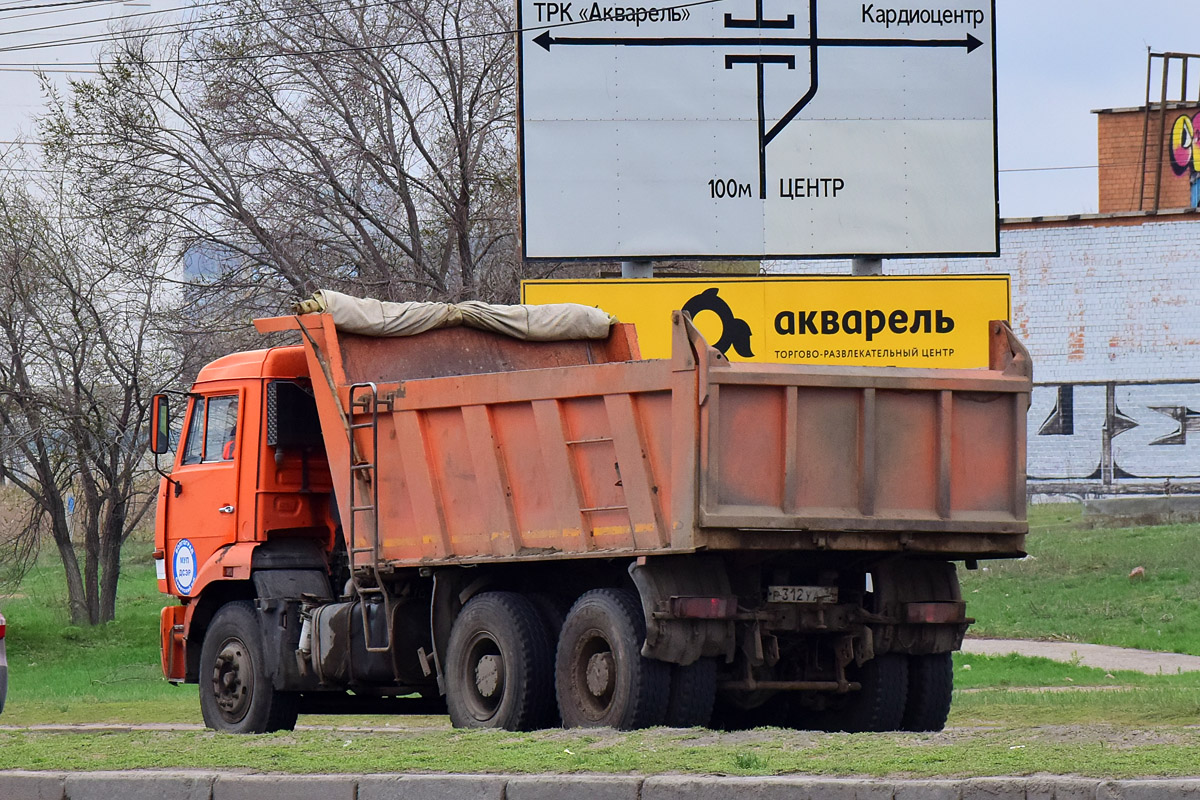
x: 518, y: 476
x: 479, y: 455
x: 804, y: 450
x: 499, y: 477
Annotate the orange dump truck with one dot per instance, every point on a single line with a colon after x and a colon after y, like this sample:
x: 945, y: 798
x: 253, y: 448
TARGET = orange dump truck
x: 531, y: 534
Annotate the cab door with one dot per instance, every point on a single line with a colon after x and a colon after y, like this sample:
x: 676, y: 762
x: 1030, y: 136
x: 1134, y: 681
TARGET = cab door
x: 202, y: 518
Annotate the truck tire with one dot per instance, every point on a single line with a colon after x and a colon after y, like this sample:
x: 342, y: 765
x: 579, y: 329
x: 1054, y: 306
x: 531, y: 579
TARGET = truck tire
x: 878, y: 706
x: 930, y: 688
x: 236, y: 694
x: 601, y: 677
x: 499, y: 665
x: 553, y: 611
x: 693, y: 693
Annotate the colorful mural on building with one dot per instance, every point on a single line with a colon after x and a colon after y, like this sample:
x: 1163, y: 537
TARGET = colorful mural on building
x: 1185, y: 152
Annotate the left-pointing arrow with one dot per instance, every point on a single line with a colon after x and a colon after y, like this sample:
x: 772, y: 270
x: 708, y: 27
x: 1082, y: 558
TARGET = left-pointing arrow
x: 970, y: 43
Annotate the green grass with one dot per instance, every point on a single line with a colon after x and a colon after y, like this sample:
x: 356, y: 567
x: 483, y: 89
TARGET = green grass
x: 1011, y: 715
x: 1100, y: 752
x: 977, y: 672
x: 1076, y: 586
x: 63, y: 673
x: 1018, y: 691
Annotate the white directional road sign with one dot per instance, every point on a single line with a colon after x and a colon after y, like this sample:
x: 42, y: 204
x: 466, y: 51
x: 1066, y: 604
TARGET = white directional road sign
x: 757, y: 128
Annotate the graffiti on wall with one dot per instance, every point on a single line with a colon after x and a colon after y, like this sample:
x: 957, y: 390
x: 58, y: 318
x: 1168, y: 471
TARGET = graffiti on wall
x: 1115, y: 432
x: 1185, y: 150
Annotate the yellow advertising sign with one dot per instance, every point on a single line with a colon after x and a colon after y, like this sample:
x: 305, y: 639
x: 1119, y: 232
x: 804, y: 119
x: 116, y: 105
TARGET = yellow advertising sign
x: 864, y: 321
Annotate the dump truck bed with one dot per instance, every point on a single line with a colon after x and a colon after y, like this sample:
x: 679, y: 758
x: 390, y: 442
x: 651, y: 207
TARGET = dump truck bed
x: 469, y: 447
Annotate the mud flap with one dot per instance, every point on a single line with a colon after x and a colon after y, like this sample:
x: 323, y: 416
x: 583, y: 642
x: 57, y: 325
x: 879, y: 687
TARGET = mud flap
x: 683, y: 641
x: 903, y: 586
x: 278, y: 603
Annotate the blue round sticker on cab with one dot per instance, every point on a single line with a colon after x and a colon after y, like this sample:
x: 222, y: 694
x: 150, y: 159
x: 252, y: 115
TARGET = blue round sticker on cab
x: 183, y: 566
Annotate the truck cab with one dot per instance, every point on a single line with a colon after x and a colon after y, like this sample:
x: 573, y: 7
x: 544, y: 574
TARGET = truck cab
x: 250, y: 490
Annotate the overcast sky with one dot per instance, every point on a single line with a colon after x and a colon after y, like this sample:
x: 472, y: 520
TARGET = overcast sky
x: 1057, y: 61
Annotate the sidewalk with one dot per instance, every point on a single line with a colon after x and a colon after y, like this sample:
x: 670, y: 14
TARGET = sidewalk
x: 1088, y: 655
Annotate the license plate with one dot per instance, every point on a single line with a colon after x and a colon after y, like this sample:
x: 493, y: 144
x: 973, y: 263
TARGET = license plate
x: 802, y: 594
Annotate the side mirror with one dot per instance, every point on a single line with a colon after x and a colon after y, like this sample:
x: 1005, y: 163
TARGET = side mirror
x: 160, y: 424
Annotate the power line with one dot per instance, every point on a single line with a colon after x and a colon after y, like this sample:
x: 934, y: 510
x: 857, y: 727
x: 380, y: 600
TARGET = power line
x: 334, y: 50
x: 83, y: 38
x: 39, y: 70
x: 1010, y: 170
x: 1034, y: 169
x: 95, y: 38
x: 1059, y: 169
x: 53, y: 11
x: 44, y: 13
x: 80, y: 22
x: 55, y: 5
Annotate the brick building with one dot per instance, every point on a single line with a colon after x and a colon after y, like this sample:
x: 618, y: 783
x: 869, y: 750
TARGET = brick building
x: 1148, y: 158
x: 1109, y: 306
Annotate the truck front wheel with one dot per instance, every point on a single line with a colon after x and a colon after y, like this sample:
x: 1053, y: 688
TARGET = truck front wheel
x: 600, y: 676
x: 499, y: 665
x: 236, y: 695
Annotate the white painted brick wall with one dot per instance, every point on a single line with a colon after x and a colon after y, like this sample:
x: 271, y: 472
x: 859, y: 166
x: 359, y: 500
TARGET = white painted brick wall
x: 1097, y: 304
x: 1090, y: 303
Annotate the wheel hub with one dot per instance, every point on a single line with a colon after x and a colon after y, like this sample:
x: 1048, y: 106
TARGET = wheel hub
x: 600, y: 674
x: 233, y: 680
x: 489, y: 673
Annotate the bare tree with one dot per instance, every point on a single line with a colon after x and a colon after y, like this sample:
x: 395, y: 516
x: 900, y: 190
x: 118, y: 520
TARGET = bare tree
x: 270, y: 149
x: 21, y: 533
x: 363, y: 146
x: 82, y: 295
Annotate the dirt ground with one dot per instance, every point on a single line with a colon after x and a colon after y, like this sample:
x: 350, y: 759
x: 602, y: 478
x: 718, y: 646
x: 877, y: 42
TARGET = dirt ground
x: 1113, y: 736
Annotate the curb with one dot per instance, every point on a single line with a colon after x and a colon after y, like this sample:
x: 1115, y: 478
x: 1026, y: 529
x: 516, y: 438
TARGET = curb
x: 195, y: 785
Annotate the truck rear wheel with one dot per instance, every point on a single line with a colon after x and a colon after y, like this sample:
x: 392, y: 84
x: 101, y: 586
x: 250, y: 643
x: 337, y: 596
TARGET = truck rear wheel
x: 930, y: 688
x: 601, y: 677
x: 743, y: 711
x: 499, y: 665
x: 693, y: 693
x: 878, y: 705
x: 236, y: 694
x: 553, y: 611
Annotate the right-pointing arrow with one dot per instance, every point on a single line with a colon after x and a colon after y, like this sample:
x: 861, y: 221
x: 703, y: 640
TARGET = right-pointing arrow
x: 545, y: 40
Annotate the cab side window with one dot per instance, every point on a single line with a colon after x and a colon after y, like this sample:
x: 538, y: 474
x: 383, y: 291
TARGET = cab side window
x: 212, y: 430
x: 220, y: 428
x: 193, y: 449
